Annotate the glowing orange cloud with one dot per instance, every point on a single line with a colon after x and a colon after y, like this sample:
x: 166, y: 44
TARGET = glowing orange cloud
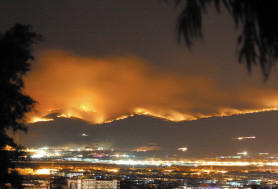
x: 104, y: 89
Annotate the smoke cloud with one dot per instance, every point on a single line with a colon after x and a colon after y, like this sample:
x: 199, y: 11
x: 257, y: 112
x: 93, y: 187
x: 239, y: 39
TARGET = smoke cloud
x: 108, y: 88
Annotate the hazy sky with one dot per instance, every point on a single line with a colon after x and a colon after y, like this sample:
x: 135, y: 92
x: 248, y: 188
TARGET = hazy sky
x: 106, y: 59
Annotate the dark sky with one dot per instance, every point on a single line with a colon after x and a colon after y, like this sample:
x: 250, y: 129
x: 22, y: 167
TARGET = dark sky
x: 105, y: 59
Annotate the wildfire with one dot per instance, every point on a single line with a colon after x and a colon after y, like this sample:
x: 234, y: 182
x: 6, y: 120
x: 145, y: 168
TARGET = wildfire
x: 40, y: 119
x: 85, y: 108
x: 102, y: 90
x: 169, y: 118
x: 64, y: 115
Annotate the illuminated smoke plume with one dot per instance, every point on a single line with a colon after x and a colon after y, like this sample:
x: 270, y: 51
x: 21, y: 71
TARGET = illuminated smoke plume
x: 104, y: 89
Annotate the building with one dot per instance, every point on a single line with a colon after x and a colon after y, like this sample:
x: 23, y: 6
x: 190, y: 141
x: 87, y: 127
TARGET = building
x: 92, y: 183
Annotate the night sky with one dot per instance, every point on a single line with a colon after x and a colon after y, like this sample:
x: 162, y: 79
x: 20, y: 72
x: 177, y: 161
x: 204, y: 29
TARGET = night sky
x: 102, y: 60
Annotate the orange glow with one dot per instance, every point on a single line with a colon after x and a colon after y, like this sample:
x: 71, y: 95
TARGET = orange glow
x: 105, y: 89
x: 9, y: 148
x: 147, y: 148
x: 112, y: 170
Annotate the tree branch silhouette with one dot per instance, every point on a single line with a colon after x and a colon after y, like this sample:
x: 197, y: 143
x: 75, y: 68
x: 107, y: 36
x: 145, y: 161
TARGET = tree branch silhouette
x: 16, y: 46
x: 257, y: 20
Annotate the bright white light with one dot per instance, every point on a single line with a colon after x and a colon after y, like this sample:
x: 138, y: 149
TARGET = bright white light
x: 183, y: 149
x: 44, y: 171
x: 242, y: 153
x: 39, y: 154
x: 244, y: 138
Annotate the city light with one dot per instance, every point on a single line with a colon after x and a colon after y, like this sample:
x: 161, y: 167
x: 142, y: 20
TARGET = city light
x: 244, y: 138
x: 44, y: 171
x: 242, y: 153
x: 183, y: 149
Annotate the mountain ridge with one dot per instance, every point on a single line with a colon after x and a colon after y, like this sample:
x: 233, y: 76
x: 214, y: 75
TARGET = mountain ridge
x: 206, y: 136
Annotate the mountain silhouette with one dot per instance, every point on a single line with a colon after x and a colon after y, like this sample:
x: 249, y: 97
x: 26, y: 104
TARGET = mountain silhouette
x: 204, y: 137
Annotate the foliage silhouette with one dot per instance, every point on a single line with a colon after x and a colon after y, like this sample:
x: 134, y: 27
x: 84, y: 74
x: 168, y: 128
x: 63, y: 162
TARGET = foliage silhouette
x: 257, y: 20
x: 16, y: 47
